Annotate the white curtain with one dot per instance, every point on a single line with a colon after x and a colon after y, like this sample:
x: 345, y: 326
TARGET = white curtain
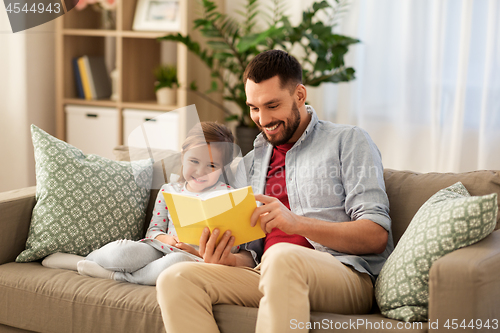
x: 428, y: 82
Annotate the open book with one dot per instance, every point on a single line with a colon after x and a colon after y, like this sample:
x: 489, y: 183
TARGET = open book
x: 229, y: 210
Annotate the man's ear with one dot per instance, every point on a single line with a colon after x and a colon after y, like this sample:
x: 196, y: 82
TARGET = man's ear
x: 300, y: 94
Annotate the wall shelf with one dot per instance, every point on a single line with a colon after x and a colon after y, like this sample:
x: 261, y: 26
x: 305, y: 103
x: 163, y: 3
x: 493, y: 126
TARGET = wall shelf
x: 90, y: 32
x: 135, y: 54
x: 80, y: 101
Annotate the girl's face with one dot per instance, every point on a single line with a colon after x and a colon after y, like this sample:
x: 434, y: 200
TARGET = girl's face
x: 201, y: 167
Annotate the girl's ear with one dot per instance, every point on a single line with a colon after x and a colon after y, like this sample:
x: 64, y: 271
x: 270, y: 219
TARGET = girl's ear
x: 300, y: 95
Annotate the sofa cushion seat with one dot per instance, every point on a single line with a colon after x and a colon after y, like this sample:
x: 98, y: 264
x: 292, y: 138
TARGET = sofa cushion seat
x: 233, y: 318
x: 83, y: 304
x: 34, y: 294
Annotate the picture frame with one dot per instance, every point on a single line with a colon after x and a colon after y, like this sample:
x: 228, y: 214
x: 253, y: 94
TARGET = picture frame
x: 157, y: 15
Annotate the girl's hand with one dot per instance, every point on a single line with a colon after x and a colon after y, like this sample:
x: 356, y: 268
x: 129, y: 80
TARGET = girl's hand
x: 187, y: 248
x: 168, y: 239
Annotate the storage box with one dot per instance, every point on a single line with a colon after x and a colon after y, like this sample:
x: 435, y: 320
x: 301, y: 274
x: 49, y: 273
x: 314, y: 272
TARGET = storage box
x: 92, y: 129
x: 153, y: 129
x: 153, y: 134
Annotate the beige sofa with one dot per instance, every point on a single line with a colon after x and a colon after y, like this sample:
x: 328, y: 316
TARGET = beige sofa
x: 464, y: 284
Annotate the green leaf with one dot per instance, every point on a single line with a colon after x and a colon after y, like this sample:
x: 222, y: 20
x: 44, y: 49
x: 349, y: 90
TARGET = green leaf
x: 232, y: 118
x: 218, y: 45
x: 317, y: 6
x: 222, y: 56
x: 200, y: 23
x: 252, y: 41
x: 213, y: 87
x: 193, y: 86
x: 321, y: 65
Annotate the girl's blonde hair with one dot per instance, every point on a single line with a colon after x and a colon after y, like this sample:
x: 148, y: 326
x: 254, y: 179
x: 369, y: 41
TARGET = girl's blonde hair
x: 209, y: 132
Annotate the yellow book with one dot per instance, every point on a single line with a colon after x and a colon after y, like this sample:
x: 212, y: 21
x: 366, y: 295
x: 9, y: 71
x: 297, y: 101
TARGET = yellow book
x: 230, y: 210
x: 85, y: 78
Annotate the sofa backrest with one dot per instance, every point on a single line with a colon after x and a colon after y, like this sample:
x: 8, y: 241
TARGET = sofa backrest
x: 408, y: 191
x: 15, y: 217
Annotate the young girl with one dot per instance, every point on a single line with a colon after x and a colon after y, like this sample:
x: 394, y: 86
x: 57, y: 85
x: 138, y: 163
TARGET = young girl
x: 206, y: 150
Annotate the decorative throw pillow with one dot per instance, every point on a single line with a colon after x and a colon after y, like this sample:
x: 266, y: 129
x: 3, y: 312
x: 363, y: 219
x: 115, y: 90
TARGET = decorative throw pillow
x: 83, y: 202
x: 449, y: 220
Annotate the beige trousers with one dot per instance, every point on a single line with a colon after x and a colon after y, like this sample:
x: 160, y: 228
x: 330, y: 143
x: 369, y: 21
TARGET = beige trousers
x: 292, y: 281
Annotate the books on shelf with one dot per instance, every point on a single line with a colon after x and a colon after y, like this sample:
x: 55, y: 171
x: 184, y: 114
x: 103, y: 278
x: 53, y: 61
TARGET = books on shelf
x: 91, y: 76
x: 78, y: 79
x: 230, y: 210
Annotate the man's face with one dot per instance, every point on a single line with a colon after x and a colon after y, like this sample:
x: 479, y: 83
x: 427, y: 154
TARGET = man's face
x: 273, y: 109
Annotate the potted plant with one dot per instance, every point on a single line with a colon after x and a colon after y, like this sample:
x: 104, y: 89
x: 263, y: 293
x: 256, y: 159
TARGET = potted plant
x: 231, y: 45
x: 166, y: 84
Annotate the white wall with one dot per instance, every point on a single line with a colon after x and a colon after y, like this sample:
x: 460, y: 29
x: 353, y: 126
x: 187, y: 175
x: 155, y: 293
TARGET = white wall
x: 27, y: 96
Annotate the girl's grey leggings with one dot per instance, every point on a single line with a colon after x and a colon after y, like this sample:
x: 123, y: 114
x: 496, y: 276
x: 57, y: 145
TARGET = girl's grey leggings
x: 135, y: 262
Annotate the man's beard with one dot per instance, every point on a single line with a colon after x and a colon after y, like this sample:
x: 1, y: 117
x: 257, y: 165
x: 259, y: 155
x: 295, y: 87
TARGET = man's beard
x: 289, y: 127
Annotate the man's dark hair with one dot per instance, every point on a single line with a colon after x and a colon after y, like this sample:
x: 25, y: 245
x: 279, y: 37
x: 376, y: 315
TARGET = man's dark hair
x: 271, y: 63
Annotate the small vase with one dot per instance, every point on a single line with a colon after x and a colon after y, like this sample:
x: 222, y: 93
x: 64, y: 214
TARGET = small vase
x: 166, y: 96
x: 108, y: 19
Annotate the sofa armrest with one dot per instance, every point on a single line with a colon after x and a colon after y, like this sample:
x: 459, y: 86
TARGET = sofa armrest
x: 465, y: 285
x: 15, y: 217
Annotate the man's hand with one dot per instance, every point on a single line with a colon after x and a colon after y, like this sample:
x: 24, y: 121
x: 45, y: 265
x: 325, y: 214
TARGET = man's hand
x: 273, y: 214
x: 220, y: 254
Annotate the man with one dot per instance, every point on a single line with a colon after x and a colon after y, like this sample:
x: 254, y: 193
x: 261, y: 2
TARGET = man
x: 324, y: 210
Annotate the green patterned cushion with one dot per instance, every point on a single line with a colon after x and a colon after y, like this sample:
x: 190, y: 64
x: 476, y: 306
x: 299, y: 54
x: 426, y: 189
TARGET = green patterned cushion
x: 449, y: 220
x: 83, y: 202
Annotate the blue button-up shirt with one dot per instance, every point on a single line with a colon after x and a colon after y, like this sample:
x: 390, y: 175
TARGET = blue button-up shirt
x: 333, y: 173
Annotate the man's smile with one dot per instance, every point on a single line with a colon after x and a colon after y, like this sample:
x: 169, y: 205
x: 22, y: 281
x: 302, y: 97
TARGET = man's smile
x: 272, y: 129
